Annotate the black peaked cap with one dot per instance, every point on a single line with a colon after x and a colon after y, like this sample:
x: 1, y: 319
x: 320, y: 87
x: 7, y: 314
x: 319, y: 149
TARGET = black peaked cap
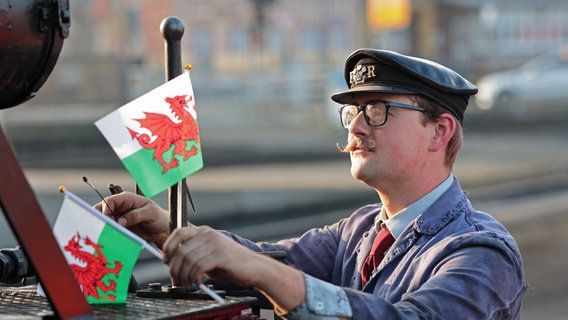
x: 383, y: 71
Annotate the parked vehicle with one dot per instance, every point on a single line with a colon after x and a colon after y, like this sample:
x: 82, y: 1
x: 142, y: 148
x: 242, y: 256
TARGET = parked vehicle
x: 538, y: 88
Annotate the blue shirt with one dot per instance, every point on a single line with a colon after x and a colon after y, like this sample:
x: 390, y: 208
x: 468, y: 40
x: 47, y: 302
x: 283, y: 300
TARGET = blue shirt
x: 449, y: 262
x: 398, y: 222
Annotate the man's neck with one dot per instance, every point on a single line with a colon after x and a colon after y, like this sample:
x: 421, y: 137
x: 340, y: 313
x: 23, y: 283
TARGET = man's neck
x: 397, y: 196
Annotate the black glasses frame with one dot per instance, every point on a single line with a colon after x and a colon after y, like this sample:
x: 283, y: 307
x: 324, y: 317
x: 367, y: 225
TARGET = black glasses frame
x: 388, y: 105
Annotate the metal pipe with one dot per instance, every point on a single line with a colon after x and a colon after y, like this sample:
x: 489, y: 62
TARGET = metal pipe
x: 172, y: 30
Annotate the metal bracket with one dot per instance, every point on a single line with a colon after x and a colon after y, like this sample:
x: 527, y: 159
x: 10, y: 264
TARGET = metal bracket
x: 63, y: 17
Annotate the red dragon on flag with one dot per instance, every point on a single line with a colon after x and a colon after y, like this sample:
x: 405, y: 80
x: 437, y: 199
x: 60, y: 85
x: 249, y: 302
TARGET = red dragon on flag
x: 90, y: 277
x: 156, y: 136
x: 168, y: 132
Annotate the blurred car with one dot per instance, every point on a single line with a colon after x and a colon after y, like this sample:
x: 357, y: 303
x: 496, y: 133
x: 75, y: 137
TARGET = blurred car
x: 537, y: 88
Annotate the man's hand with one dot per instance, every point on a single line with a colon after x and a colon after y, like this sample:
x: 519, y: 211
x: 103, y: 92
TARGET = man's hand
x: 194, y: 253
x: 139, y: 214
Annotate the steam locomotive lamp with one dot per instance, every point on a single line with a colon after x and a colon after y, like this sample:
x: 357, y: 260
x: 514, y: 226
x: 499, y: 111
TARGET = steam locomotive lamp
x: 32, y: 33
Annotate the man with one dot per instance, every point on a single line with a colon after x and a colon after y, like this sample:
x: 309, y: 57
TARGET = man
x: 435, y: 256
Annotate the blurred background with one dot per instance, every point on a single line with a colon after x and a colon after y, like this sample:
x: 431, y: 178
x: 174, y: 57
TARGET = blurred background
x: 263, y: 72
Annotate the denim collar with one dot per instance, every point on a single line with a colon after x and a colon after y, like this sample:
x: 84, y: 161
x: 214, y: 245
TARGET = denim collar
x: 398, y: 222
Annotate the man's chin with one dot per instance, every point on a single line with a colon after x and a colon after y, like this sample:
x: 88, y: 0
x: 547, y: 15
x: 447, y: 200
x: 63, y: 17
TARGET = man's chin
x: 357, y: 173
x: 364, y: 171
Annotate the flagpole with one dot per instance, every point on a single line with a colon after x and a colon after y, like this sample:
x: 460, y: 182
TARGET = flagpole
x: 172, y: 30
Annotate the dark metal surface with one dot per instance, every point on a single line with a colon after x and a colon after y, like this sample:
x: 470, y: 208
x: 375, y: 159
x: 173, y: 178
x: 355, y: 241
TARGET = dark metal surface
x: 25, y: 303
x: 170, y: 292
x: 31, y: 38
x: 14, y: 265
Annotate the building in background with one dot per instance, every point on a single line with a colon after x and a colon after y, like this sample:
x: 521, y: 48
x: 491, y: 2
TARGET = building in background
x: 254, y: 58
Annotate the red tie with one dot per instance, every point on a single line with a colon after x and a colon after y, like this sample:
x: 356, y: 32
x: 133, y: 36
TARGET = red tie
x: 382, y: 243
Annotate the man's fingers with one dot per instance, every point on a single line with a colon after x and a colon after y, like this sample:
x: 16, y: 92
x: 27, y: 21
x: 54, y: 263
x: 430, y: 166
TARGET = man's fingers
x: 172, y: 244
x: 191, y: 252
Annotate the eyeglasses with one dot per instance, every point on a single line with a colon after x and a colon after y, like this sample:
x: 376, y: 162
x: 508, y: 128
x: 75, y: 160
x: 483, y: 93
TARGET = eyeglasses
x: 376, y: 112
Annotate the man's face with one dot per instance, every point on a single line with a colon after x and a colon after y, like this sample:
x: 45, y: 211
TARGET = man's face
x: 400, y: 145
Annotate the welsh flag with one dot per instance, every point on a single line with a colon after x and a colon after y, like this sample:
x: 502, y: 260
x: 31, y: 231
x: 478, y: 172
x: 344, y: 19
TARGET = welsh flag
x: 156, y: 136
x: 100, y: 252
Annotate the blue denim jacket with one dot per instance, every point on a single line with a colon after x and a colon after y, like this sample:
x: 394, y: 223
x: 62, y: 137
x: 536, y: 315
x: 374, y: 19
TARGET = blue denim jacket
x: 451, y: 262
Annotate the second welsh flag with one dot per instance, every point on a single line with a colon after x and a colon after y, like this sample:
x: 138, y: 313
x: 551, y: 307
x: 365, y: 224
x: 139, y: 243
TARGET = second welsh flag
x: 100, y: 255
x: 156, y: 136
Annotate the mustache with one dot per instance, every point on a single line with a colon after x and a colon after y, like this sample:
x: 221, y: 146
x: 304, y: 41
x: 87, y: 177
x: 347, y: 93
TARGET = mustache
x: 353, y: 144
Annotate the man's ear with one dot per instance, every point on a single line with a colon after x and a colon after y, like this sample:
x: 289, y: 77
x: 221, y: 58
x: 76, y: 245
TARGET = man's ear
x: 444, y: 129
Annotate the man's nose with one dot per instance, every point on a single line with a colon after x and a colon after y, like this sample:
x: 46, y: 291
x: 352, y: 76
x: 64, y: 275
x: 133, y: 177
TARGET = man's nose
x: 359, y: 125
